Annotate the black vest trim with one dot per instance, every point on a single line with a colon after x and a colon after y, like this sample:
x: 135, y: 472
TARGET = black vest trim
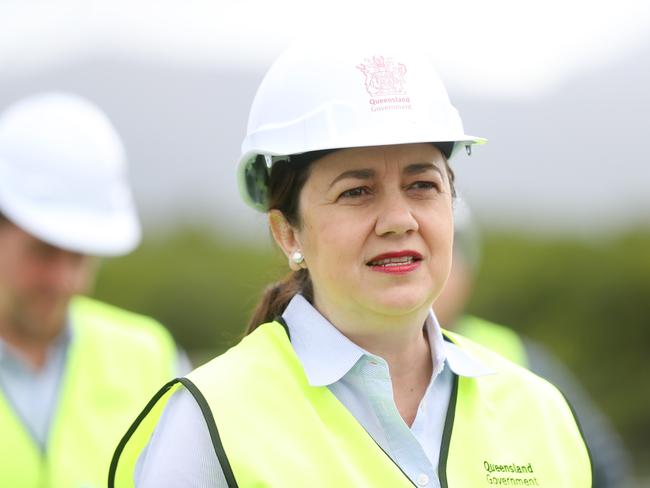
x: 446, y: 434
x: 391, y: 459
x: 136, y: 423
x: 214, y: 432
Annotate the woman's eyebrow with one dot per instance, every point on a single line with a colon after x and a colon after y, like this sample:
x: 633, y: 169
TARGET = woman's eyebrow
x: 417, y: 168
x: 358, y: 174
x: 366, y: 174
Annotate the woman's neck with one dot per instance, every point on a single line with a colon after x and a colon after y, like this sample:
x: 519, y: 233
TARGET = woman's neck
x: 403, y: 343
x: 393, y: 336
x: 410, y: 366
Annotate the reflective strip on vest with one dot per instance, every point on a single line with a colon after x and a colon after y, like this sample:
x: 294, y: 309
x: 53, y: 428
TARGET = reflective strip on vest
x: 271, y: 428
x: 115, y: 361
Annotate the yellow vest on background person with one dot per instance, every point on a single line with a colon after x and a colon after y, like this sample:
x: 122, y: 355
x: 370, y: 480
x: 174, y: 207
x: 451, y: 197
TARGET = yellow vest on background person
x: 271, y: 428
x: 115, y: 361
x: 495, y: 337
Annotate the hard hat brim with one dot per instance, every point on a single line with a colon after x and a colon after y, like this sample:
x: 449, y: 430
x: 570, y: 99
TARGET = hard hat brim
x: 251, y: 197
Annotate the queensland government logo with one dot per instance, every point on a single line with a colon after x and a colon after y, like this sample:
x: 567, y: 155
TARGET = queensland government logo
x: 385, y: 81
x: 511, y: 474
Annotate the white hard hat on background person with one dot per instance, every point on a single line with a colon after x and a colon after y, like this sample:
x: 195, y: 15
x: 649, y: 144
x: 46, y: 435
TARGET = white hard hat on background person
x: 467, y: 234
x: 63, y: 175
x: 326, y: 95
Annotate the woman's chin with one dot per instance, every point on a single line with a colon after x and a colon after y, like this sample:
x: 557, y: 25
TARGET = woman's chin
x: 401, y: 303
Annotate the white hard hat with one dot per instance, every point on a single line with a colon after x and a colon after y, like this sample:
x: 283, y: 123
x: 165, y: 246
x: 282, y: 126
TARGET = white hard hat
x: 63, y: 175
x: 328, y: 96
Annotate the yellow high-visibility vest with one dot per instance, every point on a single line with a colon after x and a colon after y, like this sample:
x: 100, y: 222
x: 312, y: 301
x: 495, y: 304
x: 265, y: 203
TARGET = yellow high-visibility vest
x: 116, y: 360
x: 270, y: 428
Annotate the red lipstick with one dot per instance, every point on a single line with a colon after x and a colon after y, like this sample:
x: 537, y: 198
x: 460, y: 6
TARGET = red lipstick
x: 400, y: 262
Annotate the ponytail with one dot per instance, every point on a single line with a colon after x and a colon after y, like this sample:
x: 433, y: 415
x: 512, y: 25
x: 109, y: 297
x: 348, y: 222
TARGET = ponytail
x: 277, y: 296
x: 286, y: 179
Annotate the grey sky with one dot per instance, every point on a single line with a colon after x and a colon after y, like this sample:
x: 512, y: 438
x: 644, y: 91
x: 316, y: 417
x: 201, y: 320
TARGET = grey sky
x: 564, y: 105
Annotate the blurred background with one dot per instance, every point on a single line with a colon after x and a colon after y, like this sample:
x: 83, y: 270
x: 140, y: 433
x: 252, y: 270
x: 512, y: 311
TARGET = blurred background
x: 561, y: 191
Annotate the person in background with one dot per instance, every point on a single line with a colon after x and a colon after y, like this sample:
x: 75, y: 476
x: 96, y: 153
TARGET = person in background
x: 345, y: 378
x: 73, y: 371
x: 611, y: 464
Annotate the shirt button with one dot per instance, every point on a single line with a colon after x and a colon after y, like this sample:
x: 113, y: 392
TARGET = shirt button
x: 423, y: 480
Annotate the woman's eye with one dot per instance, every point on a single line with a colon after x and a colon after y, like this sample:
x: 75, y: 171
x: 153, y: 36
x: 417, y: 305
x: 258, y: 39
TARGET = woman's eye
x: 355, y: 192
x: 423, y: 185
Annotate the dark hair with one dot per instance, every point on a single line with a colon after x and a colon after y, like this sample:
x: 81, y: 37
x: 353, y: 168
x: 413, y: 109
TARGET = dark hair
x: 285, y: 182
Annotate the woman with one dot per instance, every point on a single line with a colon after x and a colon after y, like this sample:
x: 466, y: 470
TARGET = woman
x: 349, y: 380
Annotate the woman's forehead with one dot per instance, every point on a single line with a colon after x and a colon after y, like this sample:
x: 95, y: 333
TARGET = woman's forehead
x: 377, y: 157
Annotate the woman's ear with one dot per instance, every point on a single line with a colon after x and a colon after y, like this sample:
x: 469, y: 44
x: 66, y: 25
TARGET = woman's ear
x: 285, y: 237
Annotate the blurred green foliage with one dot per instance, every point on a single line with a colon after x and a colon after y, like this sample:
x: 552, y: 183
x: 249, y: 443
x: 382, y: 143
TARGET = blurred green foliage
x: 201, y: 287
x: 587, y: 300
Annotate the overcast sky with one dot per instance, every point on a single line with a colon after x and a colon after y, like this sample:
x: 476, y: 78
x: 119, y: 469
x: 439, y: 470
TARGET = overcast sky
x: 515, y: 48
x: 522, y: 73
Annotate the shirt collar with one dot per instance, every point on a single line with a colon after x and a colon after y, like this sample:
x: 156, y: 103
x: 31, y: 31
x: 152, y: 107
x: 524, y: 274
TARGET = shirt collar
x: 463, y: 363
x: 327, y: 355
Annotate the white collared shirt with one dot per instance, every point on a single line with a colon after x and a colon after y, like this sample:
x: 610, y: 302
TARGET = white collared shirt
x: 180, y: 452
x: 33, y: 392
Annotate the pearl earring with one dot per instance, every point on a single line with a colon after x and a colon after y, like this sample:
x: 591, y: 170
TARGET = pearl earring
x: 297, y: 257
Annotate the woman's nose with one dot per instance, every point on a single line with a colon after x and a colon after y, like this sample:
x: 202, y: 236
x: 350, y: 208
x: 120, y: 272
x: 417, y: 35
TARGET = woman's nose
x: 395, y: 215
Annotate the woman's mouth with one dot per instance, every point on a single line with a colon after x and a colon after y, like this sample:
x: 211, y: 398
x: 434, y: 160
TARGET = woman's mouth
x: 396, y: 262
